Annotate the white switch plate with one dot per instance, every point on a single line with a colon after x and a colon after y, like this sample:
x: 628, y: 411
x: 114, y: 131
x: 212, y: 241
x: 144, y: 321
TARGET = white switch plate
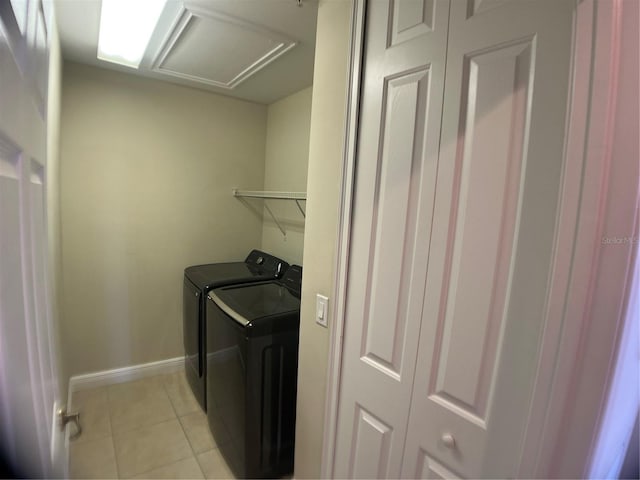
x: 322, y: 310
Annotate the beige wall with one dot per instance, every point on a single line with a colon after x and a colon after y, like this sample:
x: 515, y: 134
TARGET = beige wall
x: 147, y: 170
x: 286, y: 161
x: 323, y: 193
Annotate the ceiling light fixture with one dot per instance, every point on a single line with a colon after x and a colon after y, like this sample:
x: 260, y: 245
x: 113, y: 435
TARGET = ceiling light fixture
x: 125, y: 29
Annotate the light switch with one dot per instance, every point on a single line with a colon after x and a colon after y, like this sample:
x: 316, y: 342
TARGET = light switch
x: 322, y: 309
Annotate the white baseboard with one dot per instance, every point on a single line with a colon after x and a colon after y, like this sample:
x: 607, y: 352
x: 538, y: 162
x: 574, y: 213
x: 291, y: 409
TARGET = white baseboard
x: 125, y: 374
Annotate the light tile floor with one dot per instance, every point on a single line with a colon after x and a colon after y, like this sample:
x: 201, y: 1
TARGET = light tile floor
x: 150, y: 428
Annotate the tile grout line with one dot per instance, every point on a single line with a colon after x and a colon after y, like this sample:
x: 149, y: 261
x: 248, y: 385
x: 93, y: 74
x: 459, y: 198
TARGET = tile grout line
x: 195, y: 456
x: 139, y: 427
x: 113, y: 440
x: 145, y: 425
x: 113, y: 433
x: 176, y: 417
x: 82, y: 441
x: 82, y: 438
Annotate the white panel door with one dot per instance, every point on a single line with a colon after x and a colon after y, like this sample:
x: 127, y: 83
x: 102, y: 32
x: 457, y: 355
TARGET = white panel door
x: 454, y: 218
x: 398, y: 150
x: 499, y: 172
x: 28, y: 373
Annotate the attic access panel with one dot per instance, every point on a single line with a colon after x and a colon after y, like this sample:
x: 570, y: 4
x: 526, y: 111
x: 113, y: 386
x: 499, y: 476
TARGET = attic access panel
x: 216, y: 49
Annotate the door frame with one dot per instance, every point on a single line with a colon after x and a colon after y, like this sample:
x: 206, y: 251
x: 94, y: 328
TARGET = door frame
x: 565, y: 367
x: 587, y: 302
x: 343, y: 240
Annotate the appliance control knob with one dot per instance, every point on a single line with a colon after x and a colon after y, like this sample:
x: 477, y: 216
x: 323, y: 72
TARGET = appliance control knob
x: 260, y: 261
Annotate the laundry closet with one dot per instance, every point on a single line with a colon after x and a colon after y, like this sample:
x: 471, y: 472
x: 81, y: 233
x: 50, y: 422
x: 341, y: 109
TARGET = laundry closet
x: 172, y: 174
x: 149, y: 168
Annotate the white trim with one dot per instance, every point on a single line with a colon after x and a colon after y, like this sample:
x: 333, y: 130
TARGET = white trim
x: 597, y: 301
x: 563, y: 423
x: 566, y: 223
x: 586, y: 303
x: 343, y: 241
x: 125, y: 374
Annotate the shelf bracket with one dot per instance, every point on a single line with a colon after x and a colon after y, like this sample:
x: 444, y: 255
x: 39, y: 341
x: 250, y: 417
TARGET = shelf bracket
x: 284, y: 234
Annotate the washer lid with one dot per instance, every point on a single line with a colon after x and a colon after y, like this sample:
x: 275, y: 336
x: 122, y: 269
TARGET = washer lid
x: 218, y: 274
x: 251, y: 302
x: 256, y: 267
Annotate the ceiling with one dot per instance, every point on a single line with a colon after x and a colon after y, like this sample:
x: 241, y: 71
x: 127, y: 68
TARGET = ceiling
x: 257, y: 50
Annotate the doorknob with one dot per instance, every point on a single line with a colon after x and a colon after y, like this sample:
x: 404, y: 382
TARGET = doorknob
x: 64, y: 417
x: 448, y: 440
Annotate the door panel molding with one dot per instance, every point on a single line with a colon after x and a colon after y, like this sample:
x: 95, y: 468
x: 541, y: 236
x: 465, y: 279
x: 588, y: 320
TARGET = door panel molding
x: 402, y: 28
x: 395, y: 218
x: 476, y: 7
x: 371, y: 444
x: 428, y: 468
x: 486, y: 207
